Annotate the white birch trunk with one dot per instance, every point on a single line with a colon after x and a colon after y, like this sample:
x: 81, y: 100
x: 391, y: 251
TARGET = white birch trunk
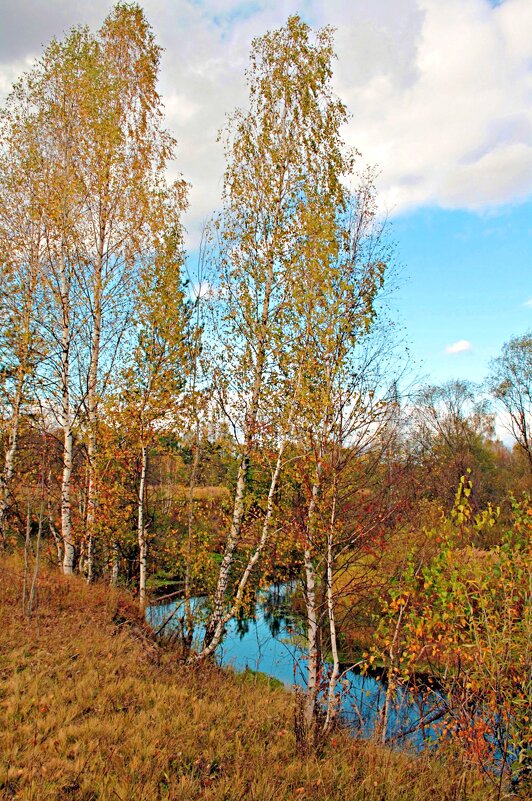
x: 68, y: 439
x: 217, y: 634
x: 113, y: 580
x: 217, y: 614
x: 9, y: 458
x: 309, y: 711
x: 141, y: 528
x: 66, y: 518
x: 309, y: 716
x: 332, y: 700
x: 92, y: 409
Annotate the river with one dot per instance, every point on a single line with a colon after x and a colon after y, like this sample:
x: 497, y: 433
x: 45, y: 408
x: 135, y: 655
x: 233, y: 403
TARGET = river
x: 271, y: 641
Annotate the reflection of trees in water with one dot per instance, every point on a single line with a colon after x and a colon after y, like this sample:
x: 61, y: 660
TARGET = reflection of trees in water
x: 242, y: 625
x: 414, y: 715
x: 274, y: 607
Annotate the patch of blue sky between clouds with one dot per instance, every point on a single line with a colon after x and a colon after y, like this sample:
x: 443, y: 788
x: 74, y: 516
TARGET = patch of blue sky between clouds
x: 467, y: 279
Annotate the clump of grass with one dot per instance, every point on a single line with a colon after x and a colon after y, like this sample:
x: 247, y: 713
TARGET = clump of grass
x: 93, y: 709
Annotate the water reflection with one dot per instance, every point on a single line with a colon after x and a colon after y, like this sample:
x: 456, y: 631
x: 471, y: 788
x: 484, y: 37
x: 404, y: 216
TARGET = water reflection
x: 271, y: 640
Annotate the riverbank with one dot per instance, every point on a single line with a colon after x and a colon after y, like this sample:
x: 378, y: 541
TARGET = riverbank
x: 94, y: 709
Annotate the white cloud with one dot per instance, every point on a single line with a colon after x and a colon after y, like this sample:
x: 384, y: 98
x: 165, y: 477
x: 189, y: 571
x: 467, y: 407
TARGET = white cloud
x: 456, y: 128
x: 528, y: 303
x: 459, y: 347
x: 439, y: 92
x: 203, y: 290
x: 503, y: 428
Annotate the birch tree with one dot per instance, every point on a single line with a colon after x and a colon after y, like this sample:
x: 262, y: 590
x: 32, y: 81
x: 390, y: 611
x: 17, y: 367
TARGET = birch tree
x: 150, y: 384
x: 121, y: 156
x: 88, y: 118
x: 38, y: 129
x: 340, y: 409
x: 284, y: 154
x: 21, y: 246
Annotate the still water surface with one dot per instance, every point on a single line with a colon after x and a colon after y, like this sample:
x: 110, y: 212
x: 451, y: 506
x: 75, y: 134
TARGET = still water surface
x: 271, y: 641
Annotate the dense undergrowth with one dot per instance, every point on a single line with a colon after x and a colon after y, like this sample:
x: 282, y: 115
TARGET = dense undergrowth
x: 93, y: 709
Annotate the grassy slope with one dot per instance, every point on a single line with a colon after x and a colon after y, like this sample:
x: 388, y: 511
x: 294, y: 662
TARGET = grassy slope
x: 91, y: 708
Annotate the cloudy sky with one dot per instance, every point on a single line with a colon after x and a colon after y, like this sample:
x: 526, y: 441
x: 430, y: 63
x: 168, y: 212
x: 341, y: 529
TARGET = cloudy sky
x: 440, y: 93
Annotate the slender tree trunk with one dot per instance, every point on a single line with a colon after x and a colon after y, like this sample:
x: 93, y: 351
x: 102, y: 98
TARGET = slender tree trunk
x: 27, y: 543
x: 332, y: 701
x: 217, y: 634
x: 68, y: 438
x: 232, y: 541
x: 190, y: 523
x: 309, y: 713
x: 312, y: 638
x: 66, y: 518
x: 31, y: 599
x: 141, y: 528
x: 243, y: 470
x: 114, y: 565
x: 55, y: 535
x: 92, y: 409
x: 9, y: 458
x: 91, y: 507
x: 392, y: 681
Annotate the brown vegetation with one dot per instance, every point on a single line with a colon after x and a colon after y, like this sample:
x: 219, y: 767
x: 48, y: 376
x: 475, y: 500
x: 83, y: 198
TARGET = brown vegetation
x: 93, y: 708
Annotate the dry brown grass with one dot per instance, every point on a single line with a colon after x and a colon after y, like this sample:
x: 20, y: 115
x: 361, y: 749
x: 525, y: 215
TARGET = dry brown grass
x: 180, y: 492
x: 92, y: 709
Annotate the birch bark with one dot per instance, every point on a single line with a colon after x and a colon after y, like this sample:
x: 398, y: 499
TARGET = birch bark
x: 141, y: 527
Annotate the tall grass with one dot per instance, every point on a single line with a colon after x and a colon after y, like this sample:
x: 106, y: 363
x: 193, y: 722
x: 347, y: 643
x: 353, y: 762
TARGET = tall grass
x: 92, y: 709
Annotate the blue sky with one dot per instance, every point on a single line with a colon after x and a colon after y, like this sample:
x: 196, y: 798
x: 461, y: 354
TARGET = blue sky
x: 465, y: 278
x: 440, y: 93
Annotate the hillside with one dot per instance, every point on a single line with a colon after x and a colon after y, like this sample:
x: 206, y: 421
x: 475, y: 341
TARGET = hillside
x: 93, y: 708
